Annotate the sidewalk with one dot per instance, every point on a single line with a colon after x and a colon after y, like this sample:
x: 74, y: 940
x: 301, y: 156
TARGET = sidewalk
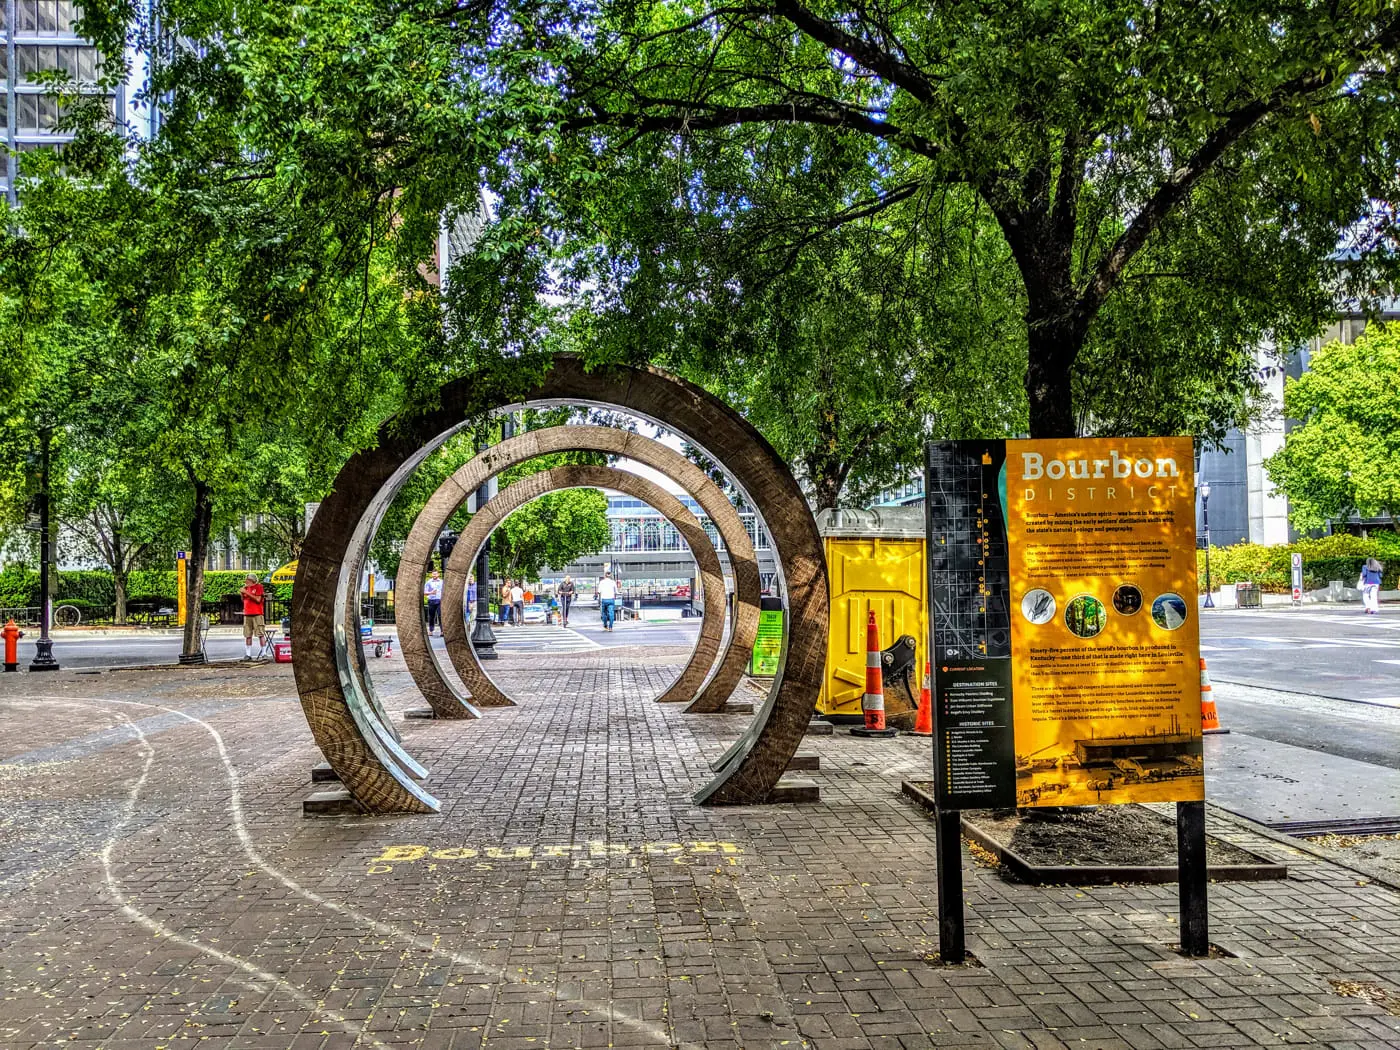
x: 158, y: 887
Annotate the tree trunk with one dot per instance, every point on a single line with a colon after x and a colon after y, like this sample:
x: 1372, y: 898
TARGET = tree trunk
x: 200, y: 521
x: 1054, y: 343
x: 826, y: 488
x: 119, y: 596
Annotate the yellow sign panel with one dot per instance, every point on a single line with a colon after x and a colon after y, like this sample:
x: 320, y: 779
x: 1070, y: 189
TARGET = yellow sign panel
x: 286, y: 574
x: 871, y: 574
x: 1104, y: 637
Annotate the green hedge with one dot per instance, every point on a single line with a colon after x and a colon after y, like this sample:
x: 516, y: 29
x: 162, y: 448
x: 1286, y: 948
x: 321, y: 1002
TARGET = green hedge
x: 1325, y: 559
x: 20, y: 587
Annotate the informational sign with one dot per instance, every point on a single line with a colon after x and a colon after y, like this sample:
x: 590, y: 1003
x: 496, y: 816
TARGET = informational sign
x: 767, y: 643
x: 287, y: 574
x: 1065, y: 645
x: 1297, y: 577
x: 181, y: 586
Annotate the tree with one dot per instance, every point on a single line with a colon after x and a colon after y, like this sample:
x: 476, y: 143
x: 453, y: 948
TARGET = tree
x: 120, y: 510
x: 222, y: 316
x: 1343, y: 456
x: 853, y: 355
x: 552, y: 531
x: 1134, y: 159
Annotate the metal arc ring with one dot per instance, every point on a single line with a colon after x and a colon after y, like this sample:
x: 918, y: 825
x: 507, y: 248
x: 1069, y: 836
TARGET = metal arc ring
x: 454, y: 631
x: 339, y: 714
x: 442, y: 696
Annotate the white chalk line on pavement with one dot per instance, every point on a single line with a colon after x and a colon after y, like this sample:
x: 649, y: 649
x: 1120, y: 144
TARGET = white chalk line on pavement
x: 263, y: 977
x: 235, y: 807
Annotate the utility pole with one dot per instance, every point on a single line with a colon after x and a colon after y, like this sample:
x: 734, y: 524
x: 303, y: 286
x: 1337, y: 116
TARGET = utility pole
x: 483, y: 638
x: 43, y: 654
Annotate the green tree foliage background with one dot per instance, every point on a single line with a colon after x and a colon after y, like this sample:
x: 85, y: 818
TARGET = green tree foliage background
x: 1343, y: 456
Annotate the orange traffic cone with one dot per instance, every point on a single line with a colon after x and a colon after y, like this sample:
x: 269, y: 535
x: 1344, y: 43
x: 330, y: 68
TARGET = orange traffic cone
x: 923, y: 723
x: 873, y: 703
x: 1210, y: 720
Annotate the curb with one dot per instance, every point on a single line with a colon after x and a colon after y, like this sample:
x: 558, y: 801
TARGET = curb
x: 1379, y: 876
x: 1316, y: 696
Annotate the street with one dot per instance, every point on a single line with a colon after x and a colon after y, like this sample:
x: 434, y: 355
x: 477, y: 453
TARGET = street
x: 87, y: 650
x: 1336, y: 651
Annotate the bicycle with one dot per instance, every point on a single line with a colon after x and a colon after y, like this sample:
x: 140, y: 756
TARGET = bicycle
x: 67, y: 616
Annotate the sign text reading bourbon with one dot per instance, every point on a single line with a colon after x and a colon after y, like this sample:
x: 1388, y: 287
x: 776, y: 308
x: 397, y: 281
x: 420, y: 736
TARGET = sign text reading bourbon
x: 1064, y: 637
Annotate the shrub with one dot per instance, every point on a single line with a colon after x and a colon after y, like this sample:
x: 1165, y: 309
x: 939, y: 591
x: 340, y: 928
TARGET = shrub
x: 94, y: 587
x: 1325, y: 558
x: 19, y: 587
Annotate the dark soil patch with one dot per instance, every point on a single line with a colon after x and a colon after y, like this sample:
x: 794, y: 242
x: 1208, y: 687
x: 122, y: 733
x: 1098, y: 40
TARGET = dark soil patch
x: 1105, y: 835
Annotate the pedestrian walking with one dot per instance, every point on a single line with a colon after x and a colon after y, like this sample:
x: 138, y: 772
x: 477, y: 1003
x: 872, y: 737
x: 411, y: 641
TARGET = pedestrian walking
x: 1370, y: 584
x: 607, y: 600
x: 253, y: 624
x: 566, y: 597
x: 432, y: 590
x: 517, y: 603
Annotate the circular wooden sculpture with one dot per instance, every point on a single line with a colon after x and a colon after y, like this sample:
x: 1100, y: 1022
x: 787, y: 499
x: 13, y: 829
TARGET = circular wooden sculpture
x: 454, y: 631
x: 442, y: 695
x: 334, y: 695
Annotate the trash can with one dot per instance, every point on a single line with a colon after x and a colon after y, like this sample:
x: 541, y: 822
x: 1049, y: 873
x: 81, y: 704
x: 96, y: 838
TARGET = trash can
x: 1247, y: 595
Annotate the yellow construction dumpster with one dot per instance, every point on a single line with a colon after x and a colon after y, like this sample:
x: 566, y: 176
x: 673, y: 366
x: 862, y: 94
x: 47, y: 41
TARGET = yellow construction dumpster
x: 874, y: 561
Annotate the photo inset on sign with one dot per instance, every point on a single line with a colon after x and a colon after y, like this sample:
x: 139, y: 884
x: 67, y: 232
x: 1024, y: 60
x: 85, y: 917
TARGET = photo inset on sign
x: 1085, y: 616
x: 1169, y: 611
x: 1127, y: 599
x: 1038, y: 606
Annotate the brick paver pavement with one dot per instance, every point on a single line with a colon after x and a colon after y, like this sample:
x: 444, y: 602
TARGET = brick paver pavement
x: 160, y: 888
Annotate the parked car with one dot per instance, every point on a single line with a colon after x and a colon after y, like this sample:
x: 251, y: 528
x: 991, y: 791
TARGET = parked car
x: 536, y: 612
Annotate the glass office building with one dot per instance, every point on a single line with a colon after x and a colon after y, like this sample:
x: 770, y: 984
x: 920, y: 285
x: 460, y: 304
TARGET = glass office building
x: 39, y: 35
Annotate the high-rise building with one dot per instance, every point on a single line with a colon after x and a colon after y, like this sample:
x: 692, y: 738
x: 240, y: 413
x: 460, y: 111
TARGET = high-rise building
x: 39, y: 35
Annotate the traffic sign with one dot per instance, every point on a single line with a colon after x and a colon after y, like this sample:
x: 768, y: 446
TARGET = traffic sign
x: 1297, y: 577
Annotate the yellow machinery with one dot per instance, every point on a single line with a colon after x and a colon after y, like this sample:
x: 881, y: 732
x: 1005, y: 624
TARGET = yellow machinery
x: 874, y: 560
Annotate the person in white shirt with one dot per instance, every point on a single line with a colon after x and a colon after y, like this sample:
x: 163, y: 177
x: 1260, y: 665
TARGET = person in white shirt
x: 432, y: 590
x: 517, y: 601
x: 607, y: 600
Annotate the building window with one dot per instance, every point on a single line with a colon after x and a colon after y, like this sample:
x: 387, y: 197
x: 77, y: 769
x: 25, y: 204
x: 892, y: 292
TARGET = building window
x: 82, y: 65
x: 46, y: 17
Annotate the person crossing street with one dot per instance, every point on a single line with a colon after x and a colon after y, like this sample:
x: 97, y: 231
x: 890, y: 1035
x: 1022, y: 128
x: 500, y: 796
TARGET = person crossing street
x: 565, y: 594
x: 607, y: 600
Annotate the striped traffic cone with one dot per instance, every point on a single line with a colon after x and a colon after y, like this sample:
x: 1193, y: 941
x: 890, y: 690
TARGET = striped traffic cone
x: 923, y: 723
x: 1210, y: 719
x: 873, y: 703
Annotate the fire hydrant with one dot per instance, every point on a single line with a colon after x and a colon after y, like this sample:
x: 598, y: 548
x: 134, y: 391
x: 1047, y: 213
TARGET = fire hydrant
x: 12, y: 635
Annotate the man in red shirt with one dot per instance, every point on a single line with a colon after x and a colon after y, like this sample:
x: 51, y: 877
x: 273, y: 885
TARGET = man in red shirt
x: 252, y: 593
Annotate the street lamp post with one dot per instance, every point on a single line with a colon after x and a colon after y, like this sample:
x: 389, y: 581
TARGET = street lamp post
x: 43, y: 648
x: 1205, y: 521
x: 483, y: 638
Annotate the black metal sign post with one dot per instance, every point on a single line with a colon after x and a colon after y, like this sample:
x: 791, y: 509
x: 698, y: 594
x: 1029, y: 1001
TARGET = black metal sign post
x: 974, y: 758
x: 952, y: 936
x: 1191, y: 878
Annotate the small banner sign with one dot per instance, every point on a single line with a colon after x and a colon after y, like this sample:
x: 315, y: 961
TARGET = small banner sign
x: 767, y: 643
